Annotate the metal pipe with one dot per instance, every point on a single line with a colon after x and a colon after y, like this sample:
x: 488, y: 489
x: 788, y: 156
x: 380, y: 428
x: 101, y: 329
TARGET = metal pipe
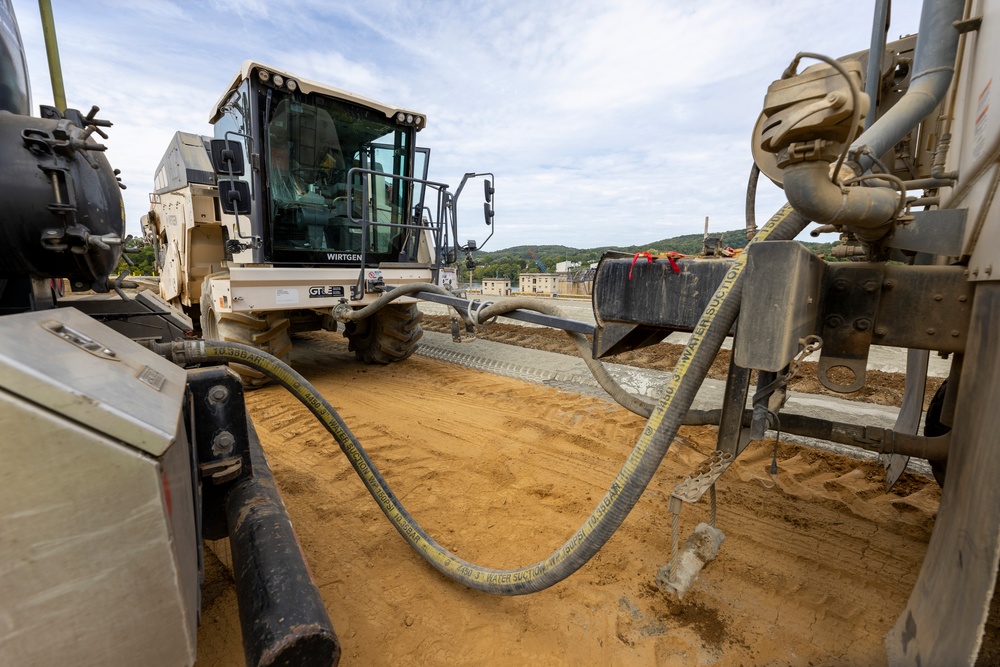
x: 928, y: 183
x: 871, y: 438
x: 869, y: 212
x: 812, y: 194
x: 751, y: 202
x: 52, y: 52
x: 876, y: 52
x: 933, y: 68
x: 282, y: 615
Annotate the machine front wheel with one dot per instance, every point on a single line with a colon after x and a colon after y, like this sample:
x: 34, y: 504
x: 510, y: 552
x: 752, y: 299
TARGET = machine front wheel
x: 268, y: 332
x: 389, y: 335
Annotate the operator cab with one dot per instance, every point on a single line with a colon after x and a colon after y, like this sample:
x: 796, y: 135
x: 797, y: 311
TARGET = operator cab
x: 331, y: 171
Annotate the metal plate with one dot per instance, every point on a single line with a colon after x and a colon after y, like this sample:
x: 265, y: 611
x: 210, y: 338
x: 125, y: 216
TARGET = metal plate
x: 102, y: 391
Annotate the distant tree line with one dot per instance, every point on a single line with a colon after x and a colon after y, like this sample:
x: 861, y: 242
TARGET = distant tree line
x: 510, y: 263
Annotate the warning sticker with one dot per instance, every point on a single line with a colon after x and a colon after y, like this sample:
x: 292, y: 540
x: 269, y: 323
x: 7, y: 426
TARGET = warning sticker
x: 286, y: 296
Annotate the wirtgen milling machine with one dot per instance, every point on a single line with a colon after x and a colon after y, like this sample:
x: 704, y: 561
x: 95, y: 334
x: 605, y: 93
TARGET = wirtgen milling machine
x: 309, y: 204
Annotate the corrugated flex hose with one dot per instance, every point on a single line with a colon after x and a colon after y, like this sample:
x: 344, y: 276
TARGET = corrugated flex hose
x: 597, y: 369
x: 626, y: 488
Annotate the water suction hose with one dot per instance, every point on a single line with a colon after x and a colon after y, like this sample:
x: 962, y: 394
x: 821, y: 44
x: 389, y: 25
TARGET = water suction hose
x: 625, y: 490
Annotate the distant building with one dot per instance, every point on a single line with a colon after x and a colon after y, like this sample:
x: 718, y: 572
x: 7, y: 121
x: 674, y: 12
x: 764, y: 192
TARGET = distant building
x: 538, y: 283
x: 566, y: 267
x: 496, y: 286
x: 579, y: 281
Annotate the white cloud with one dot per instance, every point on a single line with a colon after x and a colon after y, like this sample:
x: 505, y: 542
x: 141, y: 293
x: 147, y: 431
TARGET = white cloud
x: 605, y: 123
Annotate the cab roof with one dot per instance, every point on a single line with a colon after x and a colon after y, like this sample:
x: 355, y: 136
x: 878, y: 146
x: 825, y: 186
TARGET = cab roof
x: 306, y: 86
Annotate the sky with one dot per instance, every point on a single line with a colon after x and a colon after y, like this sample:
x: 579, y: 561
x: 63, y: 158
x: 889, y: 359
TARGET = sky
x: 605, y: 122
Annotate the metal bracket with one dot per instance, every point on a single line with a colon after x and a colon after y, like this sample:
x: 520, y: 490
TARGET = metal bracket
x: 701, y: 479
x: 851, y: 299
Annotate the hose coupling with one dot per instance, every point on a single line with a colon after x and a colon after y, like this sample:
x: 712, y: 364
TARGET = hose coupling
x: 342, y: 312
x: 181, y: 352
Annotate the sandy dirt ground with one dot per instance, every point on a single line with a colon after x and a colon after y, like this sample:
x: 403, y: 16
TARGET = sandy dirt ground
x: 881, y: 388
x: 817, y: 563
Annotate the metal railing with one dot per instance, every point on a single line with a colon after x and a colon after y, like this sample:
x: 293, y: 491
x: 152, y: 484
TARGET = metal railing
x: 437, y: 225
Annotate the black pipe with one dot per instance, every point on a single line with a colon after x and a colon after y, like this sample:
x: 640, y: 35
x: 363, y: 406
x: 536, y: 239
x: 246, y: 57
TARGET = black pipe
x: 282, y: 615
x: 871, y: 438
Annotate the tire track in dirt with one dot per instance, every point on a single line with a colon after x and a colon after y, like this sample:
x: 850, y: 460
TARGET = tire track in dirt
x: 813, y: 571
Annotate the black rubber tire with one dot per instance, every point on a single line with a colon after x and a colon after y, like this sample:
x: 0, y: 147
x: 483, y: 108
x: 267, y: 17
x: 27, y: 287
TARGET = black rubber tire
x: 268, y: 332
x: 933, y: 428
x: 388, y: 336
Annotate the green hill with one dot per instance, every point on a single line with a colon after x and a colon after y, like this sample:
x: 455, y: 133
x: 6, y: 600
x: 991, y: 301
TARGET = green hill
x: 511, y: 262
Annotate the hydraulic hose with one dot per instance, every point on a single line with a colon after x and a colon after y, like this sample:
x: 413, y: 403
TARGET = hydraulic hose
x: 627, y: 487
x: 346, y: 313
x: 597, y: 369
x: 600, y: 373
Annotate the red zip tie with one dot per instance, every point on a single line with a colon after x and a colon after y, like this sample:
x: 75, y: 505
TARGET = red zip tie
x: 635, y: 259
x: 672, y: 258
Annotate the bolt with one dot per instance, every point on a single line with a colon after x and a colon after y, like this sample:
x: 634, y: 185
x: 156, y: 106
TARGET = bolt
x: 834, y: 321
x: 870, y: 287
x: 954, y: 333
x: 218, y: 394
x: 988, y: 270
x: 931, y: 331
x: 862, y: 325
x: 881, y: 331
x: 938, y: 297
x: 963, y: 299
x: 222, y: 443
x: 975, y: 271
x: 889, y: 284
x: 841, y: 285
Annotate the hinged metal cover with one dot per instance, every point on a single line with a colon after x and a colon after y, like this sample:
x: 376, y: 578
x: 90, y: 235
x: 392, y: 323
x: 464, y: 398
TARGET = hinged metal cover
x: 103, y: 391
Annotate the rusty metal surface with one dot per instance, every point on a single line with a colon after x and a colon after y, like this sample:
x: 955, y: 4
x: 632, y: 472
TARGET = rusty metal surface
x: 850, y: 307
x: 944, y: 619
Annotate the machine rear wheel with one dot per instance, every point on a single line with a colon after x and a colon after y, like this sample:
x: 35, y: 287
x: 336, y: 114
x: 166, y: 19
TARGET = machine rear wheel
x: 268, y: 332
x: 389, y: 335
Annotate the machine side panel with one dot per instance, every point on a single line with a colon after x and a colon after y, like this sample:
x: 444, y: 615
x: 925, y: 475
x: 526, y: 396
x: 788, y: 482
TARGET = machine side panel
x: 76, y: 366
x: 88, y: 574
x: 976, y: 129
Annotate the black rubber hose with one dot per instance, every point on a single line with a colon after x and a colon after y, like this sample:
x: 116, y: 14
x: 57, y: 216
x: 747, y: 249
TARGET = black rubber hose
x: 751, y: 202
x: 627, y: 487
x: 597, y: 369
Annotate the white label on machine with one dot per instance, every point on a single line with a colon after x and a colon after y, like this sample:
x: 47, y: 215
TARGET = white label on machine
x: 286, y: 297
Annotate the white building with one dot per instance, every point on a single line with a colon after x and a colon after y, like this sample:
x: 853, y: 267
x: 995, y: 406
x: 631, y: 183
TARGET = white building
x: 496, y: 286
x: 540, y: 283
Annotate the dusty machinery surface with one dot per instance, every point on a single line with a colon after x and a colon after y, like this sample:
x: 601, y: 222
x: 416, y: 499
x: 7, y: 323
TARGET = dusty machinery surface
x: 309, y: 204
x: 116, y: 464
x: 913, y: 197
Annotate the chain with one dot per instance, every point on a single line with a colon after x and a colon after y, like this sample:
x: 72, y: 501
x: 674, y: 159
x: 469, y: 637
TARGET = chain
x: 810, y: 344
